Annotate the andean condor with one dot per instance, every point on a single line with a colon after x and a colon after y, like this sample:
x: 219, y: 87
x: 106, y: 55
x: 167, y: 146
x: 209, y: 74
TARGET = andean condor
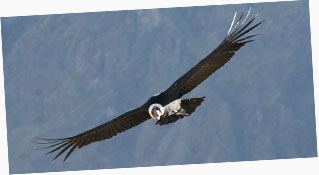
x: 166, y: 107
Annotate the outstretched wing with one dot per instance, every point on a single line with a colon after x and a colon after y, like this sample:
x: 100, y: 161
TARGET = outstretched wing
x: 234, y: 40
x: 105, y: 131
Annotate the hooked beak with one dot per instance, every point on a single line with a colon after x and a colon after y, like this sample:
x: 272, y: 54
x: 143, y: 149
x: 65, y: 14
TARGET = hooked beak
x: 159, y: 114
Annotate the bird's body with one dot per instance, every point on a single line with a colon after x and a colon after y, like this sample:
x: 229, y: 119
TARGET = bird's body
x: 179, y: 109
x: 168, y: 106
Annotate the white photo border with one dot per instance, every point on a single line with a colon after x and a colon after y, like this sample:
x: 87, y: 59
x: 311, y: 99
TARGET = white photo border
x: 40, y: 7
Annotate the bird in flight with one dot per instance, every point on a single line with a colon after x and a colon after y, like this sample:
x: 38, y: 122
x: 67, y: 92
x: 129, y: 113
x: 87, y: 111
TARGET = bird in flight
x: 166, y: 107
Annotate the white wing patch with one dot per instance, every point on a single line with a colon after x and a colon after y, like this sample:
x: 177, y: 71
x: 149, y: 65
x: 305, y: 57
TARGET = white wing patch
x: 173, y: 107
x: 156, y: 94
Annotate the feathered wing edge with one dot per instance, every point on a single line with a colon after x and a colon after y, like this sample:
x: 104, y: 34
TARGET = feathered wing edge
x: 234, y: 40
x: 235, y: 33
x: 107, y: 130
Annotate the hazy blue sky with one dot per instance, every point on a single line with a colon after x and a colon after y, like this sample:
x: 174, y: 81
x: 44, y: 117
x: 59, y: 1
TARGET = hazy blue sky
x: 65, y: 74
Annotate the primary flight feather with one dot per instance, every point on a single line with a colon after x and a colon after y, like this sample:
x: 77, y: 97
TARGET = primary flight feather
x: 166, y: 107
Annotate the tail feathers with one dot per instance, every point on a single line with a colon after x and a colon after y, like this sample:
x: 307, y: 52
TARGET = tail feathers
x: 191, y: 104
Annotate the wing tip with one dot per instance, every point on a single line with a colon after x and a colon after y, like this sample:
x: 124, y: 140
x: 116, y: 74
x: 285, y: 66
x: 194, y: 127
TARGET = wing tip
x: 55, y: 145
x: 235, y: 33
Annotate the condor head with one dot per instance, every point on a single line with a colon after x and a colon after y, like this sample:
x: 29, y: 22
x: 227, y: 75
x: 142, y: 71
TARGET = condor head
x: 156, y: 111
